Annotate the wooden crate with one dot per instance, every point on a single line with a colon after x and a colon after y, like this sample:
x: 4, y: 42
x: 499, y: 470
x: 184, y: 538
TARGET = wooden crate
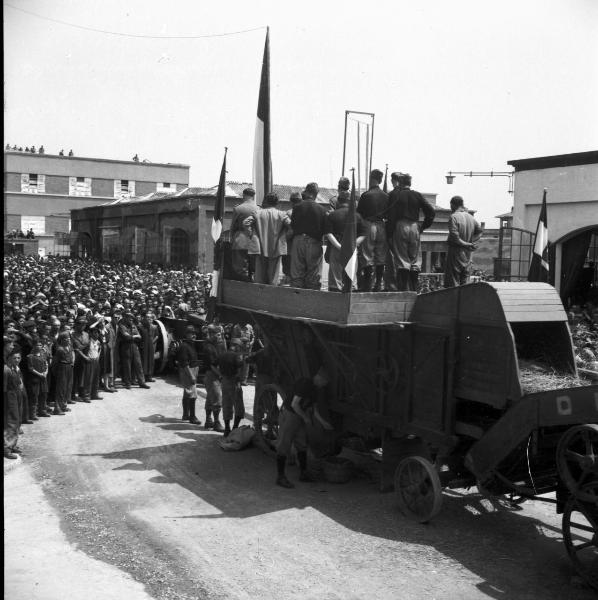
x: 358, y: 308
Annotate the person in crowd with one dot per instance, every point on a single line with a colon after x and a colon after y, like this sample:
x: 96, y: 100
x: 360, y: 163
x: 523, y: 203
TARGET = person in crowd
x: 404, y: 229
x: 246, y: 336
x: 212, y: 348
x: 14, y: 397
x: 62, y: 372
x: 372, y: 207
x: 107, y: 338
x: 230, y: 364
x: 131, y: 366
x: 187, y: 361
x: 464, y: 233
x: 36, y: 380
x: 245, y: 240
x: 338, y: 280
x: 344, y: 185
x: 81, y: 380
x: 264, y: 403
x: 308, y: 223
x: 149, y: 338
x: 94, y: 355
x: 271, y: 224
x: 295, y: 198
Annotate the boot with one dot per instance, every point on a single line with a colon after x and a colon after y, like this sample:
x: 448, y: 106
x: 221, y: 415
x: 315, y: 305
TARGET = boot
x: 413, y: 280
x: 366, y: 279
x: 236, y: 422
x: 303, y: 472
x: 217, y: 424
x: 209, y: 423
x: 281, y: 478
x: 226, y: 428
x: 379, y: 278
x: 185, y: 416
x: 403, y: 280
x: 192, y: 418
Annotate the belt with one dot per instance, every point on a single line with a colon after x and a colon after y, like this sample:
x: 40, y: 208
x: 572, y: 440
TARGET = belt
x: 306, y: 235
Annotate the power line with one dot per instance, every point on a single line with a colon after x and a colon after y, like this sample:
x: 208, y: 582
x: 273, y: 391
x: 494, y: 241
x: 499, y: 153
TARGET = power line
x: 133, y: 35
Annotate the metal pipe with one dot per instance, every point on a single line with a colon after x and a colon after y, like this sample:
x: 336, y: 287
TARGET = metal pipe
x: 359, y: 157
x: 367, y: 154
x: 345, y: 143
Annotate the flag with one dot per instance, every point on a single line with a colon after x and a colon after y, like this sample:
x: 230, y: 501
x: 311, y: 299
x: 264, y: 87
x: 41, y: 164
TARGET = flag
x: 262, y: 159
x: 385, y: 187
x: 539, y: 268
x: 219, y: 206
x: 348, y: 254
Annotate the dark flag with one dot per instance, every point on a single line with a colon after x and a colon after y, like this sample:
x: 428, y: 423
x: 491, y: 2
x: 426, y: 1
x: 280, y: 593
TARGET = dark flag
x: 539, y: 268
x: 348, y: 254
x: 262, y: 158
x: 385, y: 187
x: 219, y: 206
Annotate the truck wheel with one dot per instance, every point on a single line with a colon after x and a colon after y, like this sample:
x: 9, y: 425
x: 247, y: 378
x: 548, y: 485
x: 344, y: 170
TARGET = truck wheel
x: 418, y: 488
x: 577, y: 461
x: 580, y: 536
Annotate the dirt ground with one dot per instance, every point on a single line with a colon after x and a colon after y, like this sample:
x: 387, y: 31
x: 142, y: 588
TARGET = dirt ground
x: 121, y: 499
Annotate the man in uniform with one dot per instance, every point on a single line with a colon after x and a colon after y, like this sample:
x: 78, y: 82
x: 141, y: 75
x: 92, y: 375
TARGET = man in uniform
x: 212, y: 350
x: 80, y: 340
x: 230, y: 364
x: 308, y: 224
x: 188, y: 364
x: 404, y: 229
x: 295, y: 199
x: 372, y: 207
x: 245, y: 241
x: 130, y: 359
x: 464, y: 232
x: 344, y: 185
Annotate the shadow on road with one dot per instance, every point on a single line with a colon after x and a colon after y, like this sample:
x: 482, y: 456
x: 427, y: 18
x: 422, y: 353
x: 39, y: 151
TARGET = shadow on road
x: 508, y: 550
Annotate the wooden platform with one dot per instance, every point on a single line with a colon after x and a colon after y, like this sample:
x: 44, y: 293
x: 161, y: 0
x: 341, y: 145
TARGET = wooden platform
x: 358, y: 308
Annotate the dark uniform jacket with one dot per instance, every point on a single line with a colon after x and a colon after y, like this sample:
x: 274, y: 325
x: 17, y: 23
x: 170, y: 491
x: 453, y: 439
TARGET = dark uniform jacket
x: 373, y: 204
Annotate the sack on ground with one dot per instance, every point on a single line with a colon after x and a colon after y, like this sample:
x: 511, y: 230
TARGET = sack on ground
x: 238, y: 438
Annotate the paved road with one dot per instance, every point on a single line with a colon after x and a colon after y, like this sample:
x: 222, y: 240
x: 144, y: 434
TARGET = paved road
x: 121, y: 499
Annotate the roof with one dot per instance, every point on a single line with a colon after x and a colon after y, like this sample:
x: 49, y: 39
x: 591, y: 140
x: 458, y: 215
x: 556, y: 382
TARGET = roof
x: 558, y: 160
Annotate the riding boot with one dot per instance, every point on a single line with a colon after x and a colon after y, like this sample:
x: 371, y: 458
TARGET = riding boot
x: 403, y: 281
x: 366, y: 279
x: 413, y: 280
x: 379, y: 278
x: 209, y: 423
x: 281, y: 478
x: 192, y: 418
x: 226, y: 427
x: 185, y: 416
x: 217, y: 424
x: 236, y: 422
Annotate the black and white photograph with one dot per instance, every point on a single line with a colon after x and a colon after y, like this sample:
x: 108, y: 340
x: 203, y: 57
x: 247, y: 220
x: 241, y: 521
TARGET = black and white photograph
x: 300, y: 300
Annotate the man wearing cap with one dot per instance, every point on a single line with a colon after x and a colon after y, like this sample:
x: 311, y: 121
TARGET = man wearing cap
x: 130, y: 359
x: 464, y: 233
x: 62, y: 372
x: 212, y: 348
x: 81, y: 380
x: 308, y: 224
x: 344, y: 185
x: 372, y: 207
x: 245, y: 240
x: 404, y: 229
x: 271, y: 224
x: 149, y: 338
x: 187, y: 361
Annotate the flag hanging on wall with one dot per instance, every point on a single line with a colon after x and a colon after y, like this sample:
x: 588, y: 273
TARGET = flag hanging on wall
x: 219, y: 206
x: 262, y: 158
x: 539, y: 268
x: 348, y: 254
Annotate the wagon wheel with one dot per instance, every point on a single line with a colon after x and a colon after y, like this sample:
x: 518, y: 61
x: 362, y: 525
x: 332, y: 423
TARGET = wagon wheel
x: 580, y: 536
x: 577, y: 461
x: 265, y: 413
x: 162, y: 347
x: 418, y: 488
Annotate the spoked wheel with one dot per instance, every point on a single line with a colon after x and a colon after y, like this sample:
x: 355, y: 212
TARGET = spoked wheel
x: 265, y: 413
x: 580, y: 535
x: 418, y: 488
x: 577, y: 461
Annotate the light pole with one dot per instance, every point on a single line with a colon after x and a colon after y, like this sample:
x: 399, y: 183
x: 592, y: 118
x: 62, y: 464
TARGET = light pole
x: 452, y: 174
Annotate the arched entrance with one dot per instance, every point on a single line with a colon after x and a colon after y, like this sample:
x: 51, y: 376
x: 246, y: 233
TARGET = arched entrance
x: 179, y: 248
x: 576, y: 261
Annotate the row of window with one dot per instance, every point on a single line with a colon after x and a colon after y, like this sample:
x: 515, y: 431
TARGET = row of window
x: 34, y: 183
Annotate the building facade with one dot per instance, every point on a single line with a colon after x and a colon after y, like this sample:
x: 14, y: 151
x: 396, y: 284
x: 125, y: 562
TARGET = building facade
x: 571, y: 182
x: 40, y: 190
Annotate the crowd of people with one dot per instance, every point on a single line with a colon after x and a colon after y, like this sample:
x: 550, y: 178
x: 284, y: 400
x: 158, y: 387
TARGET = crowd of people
x: 32, y: 150
x: 20, y: 234
x: 388, y: 229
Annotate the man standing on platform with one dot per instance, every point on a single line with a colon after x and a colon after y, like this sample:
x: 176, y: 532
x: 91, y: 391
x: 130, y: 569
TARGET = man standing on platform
x: 464, y: 232
x: 372, y: 207
x: 404, y: 230
x: 308, y: 223
x: 245, y: 241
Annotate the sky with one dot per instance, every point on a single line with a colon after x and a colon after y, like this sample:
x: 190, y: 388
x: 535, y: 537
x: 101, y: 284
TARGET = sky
x: 462, y: 85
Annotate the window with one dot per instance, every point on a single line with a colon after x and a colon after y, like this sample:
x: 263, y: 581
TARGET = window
x: 166, y: 187
x: 124, y: 188
x: 33, y: 183
x: 79, y: 186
